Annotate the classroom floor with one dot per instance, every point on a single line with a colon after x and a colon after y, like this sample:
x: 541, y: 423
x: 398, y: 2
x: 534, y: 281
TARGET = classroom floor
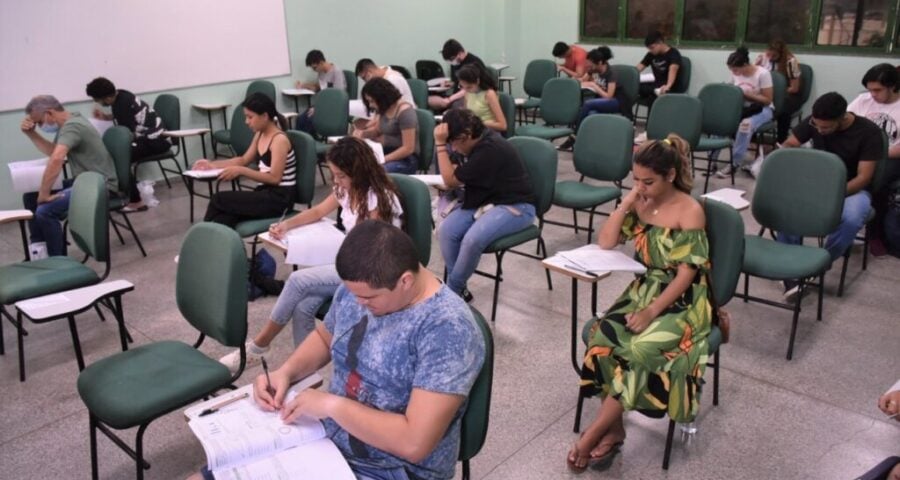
x: 814, y: 417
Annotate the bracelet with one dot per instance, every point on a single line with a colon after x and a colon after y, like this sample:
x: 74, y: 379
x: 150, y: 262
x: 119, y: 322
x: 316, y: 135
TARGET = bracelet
x: 441, y: 145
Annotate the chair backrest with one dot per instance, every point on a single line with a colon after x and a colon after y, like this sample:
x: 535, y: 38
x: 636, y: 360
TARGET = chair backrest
x: 262, y: 86
x: 806, y: 82
x: 118, y: 143
x: 416, y: 202
x: 305, y: 153
x: 725, y: 232
x: 419, y: 90
x: 561, y: 101
x: 211, y: 283
x: 508, y: 105
x: 683, y: 78
x: 426, y: 138
x: 241, y: 135
x: 168, y: 107
x: 403, y: 71
x: 779, y: 90
x: 428, y: 69
x: 332, y: 112
x: 352, y: 82
x: 722, y: 107
x: 800, y: 191
x: 494, y: 73
x: 536, y: 75
x: 540, y: 159
x: 88, y: 212
x: 629, y: 80
x: 676, y: 113
x: 474, y: 424
x: 603, y: 149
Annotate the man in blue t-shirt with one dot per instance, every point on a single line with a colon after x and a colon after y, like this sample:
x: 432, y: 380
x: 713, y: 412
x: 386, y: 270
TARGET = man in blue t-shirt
x: 406, y: 351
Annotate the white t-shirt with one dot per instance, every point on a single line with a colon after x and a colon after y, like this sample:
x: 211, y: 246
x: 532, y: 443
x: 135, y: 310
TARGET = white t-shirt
x: 886, y: 116
x: 755, y: 83
x: 398, y: 80
x: 349, y: 217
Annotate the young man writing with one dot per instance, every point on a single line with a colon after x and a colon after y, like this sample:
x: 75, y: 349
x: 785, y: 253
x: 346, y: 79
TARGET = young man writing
x: 329, y: 76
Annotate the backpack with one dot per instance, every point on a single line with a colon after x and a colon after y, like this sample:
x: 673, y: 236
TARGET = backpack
x: 262, y: 277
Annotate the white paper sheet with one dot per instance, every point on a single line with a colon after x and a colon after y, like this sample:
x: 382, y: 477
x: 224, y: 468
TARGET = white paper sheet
x: 101, y: 125
x: 592, y: 258
x: 319, y: 459
x: 730, y: 196
x: 378, y: 150
x: 26, y: 175
x: 313, y: 244
x: 438, y: 82
x: 358, y: 109
x: 430, y: 180
x: 211, y: 173
x: 648, y: 77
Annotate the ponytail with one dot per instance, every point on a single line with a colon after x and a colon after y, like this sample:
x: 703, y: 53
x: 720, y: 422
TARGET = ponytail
x: 739, y: 58
x: 261, y: 104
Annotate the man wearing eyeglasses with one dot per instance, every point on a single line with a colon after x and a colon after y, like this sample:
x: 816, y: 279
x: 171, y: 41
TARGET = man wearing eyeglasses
x: 857, y: 141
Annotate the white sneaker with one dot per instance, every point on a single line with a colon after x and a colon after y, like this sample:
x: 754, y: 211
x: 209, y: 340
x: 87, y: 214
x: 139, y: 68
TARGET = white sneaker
x: 233, y: 359
x: 641, y: 138
x: 756, y: 167
x: 725, y: 172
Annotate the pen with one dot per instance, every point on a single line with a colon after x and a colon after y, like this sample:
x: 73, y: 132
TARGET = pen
x: 282, y: 215
x: 268, y: 381
x: 215, y: 408
x: 578, y: 269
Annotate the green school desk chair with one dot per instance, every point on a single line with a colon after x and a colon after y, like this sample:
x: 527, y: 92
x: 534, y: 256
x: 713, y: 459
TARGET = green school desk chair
x: 425, y: 132
x: 118, y: 142
x: 807, y: 76
x: 419, y: 90
x: 474, y: 424
x: 681, y: 85
x: 352, y: 84
x: 331, y: 120
x: 168, y: 107
x: 722, y: 107
x: 676, y: 113
x: 629, y: 80
x: 560, y: 103
x: 508, y: 105
x: 767, y: 133
x: 226, y: 137
x: 134, y: 388
x: 428, y: 69
x: 537, y: 72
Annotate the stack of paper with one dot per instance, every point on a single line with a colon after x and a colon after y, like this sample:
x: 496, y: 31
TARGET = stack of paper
x: 211, y: 173
x: 26, y: 175
x: 593, y: 259
x: 313, y: 244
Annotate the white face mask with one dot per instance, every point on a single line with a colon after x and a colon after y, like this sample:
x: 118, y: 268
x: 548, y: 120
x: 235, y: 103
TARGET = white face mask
x: 454, y: 63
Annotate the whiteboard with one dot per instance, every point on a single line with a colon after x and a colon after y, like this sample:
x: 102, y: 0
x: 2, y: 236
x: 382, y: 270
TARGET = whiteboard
x: 57, y: 46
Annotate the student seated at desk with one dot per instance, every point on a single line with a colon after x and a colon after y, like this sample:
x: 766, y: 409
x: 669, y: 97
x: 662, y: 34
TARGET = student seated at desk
x: 277, y: 172
x: 664, y: 61
x: 778, y: 57
x: 329, y: 76
x: 481, y: 96
x: 574, y: 59
x: 395, y: 126
x: 367, y: 70
x: 458, y: 57
x: 362, y: 190
x: 600, y: 79
x: 857, y: 141
x: 75, y: 141
x: 135, y: 114
x: 405, y: 352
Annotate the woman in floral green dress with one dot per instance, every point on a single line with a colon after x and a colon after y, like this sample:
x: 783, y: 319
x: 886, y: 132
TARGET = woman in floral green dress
x: 648, y: 352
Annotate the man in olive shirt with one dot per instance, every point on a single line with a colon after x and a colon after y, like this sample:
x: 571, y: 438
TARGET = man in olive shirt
x: 76, y: 141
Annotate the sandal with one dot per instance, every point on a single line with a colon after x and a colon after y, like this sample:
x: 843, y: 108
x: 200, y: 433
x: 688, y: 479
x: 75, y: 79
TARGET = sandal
x: 571, y: 462
x: 605, y: 461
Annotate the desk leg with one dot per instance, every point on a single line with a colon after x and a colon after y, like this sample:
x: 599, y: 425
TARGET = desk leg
x: 594, y: 299
x: 203, y: 142
x: 297, y: 105
x: 212, y: 138
x: 190, y: 187
x: 575, y: 363
x: 76, y: 343
x: 184, y: 152
x: 24, y: 240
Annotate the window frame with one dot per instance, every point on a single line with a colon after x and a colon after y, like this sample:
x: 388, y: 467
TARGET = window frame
x: 891, y: 47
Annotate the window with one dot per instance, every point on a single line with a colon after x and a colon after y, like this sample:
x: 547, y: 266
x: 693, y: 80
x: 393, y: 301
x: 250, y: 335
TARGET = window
x: 601, y: 18
x: 710, y: 20
x: 771, y: 19
x: 645, y: 16
x: 858, y: 23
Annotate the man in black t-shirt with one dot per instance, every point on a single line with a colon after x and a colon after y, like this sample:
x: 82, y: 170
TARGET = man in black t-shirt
x: 665, y: 61
x: 135, y: 114
x: 857, y: 141
x: 458, y: 57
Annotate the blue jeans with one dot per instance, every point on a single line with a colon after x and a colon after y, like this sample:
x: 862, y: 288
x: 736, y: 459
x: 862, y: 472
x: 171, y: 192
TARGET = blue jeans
x: 463, y: 238
x: 745, y: 132
x: 46, y: 226
x: 408, y: 165
x: 304, y: 122
x: 597, y: 105
x: 853, y: 217
x: 304, y: 292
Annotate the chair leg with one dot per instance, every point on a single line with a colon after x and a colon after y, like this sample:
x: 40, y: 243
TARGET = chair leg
x: 139, y: 452
x: 799, y: 296
x: 76, y: 343
x: 124, y: 336
x: 746, y: 287
x: 716, y: 378
x: 575, y: 220
x: 134, y: 234
x: 546, y: 271
x: 498, y: 277
x: 116, y: 229
x: 466, y: 471
x: 578, y: 409
x: 731, y: 162
x: 821, y: 296
x: 21, y: 347
x: 2, y: 342
x: 840, y: 292
x: 866, y: 247
x: 591, y: 225
x: 709, y: 172
x: 668, y: 451
x: 92, y: 422
x: 163, y: 171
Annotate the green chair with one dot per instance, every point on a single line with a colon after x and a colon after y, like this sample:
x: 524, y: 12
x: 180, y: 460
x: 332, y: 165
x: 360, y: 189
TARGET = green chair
x: 168, y: 107
x: 474, y: 424
x: 681, y: 85
x: 265, y: 87
x: 331, y: 119
x: 806, y: 82
x: 428, y: 69
x: 426, y: 137
x: 494, y: 73
x: 225, y: 137
x: 629, y: 80
x: 415, y: 199
x: 603, y: 151
x: 536, y: 75
x: 676, y: 113
x: 403, y: 71
x: 767, y: 133
x: 508, y: 105
x: 134, y: 388
x: 540, y: 160
x: 722, y: 107
x: 419, y: 90
x: 799, y: 191
x: 352, y: 84
x: 725, y: 232
x: 118, y: 142
x: 560, y: 103
x: 88, y: 211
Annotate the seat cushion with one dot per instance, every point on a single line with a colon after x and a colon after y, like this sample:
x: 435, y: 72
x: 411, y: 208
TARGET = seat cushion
x: 706, y: 144
x: 778, y: 261
x: 510, y: 241
x: 160, y: 156
x: 134, y: 387
x: 530, y: 103
x: 42, y: 277
x: 222, y: 136
x: 714, y: 339
x: 542, y: 131
x: 572, y: 194
x: 322, y: 148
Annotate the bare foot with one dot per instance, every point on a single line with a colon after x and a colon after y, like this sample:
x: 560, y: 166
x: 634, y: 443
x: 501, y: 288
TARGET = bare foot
x: 611, y: 441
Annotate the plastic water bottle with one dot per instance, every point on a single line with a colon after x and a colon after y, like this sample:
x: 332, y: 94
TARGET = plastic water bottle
x: 688, y: 431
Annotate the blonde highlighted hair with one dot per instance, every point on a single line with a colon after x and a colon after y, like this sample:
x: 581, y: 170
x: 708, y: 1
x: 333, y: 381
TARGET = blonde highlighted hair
x: 661, y: 156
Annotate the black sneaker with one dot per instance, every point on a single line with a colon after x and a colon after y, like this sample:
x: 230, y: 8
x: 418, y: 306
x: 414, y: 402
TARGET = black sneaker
x: 467, y: 295
x: 568, y: 145
x: 791, y: 289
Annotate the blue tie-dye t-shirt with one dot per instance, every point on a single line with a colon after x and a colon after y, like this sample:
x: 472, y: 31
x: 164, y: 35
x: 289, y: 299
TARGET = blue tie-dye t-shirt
x: 434, y: 345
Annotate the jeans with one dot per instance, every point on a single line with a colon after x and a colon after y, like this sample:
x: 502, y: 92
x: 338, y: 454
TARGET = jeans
x: 597, y: 105
x: 853, y: 217
x: 463, y: 238
x: 305, y: 122
x: 366, y: 472
x: 304, y: 292
x: 745, y: 132
x: 46, y: 226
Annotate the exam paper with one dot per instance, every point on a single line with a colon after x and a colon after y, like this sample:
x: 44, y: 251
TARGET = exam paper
x: 313, y: 244
x: 26, y: 175
x: 592, y: 258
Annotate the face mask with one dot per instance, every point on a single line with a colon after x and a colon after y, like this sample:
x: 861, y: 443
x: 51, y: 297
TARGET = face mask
x: 48, y: 128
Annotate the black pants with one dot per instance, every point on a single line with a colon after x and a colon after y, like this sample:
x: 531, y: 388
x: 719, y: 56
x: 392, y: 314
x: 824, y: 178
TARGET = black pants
x: 647, y: 94
x: 231, y: 208
x: 141, y: 148
x: 791, y: 105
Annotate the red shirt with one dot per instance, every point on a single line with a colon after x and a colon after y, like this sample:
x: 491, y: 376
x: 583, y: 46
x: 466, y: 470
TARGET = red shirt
x: 575, y: 58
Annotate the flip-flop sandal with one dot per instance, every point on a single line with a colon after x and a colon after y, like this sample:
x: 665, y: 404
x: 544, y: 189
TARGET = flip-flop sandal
x: 604, y: 461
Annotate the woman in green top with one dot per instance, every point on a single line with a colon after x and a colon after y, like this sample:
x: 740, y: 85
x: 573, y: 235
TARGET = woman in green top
x: 481, y: 96
x: 648, y: 352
